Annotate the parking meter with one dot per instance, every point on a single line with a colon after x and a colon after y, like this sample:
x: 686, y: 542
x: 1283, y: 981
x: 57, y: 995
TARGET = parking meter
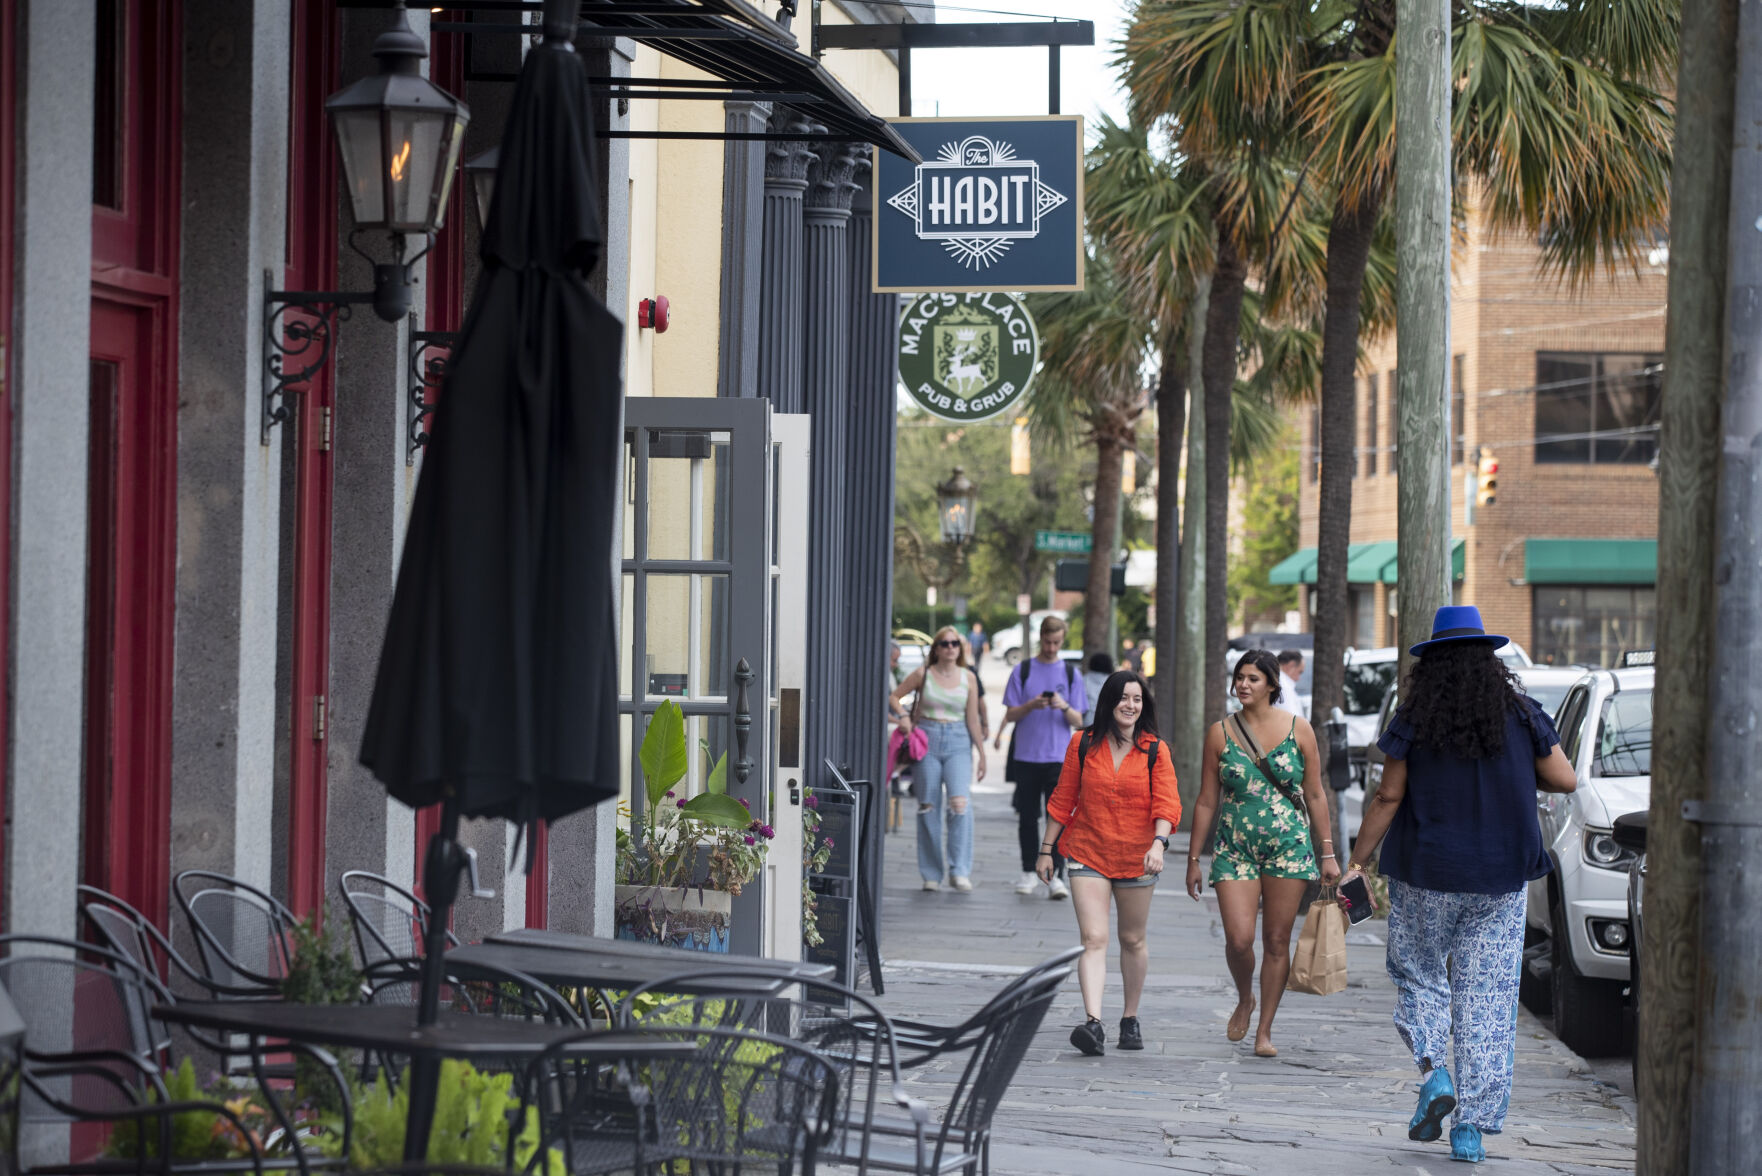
x: 1339, y: 767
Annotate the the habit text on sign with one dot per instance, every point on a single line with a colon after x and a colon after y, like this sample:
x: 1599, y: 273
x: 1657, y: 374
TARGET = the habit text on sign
x: 1062, y: 541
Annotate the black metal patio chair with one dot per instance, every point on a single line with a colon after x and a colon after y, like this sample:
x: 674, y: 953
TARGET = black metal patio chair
x: 923, y: 1041
x: 860, y: 1043
x: 243, y: 935
x: 738, y: 1100
x: 124, y: 929
x: 90, y: 1058
x: 388, y: 920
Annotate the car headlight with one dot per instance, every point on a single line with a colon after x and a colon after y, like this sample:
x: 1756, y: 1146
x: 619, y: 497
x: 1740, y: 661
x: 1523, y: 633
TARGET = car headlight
x: 1601, y: 849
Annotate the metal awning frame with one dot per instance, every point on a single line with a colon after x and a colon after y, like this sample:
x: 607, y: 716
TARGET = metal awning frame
x: 751, y: 58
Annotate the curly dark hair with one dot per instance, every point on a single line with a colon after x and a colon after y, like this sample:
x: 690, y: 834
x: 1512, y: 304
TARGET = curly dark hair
x: 1456, y: 698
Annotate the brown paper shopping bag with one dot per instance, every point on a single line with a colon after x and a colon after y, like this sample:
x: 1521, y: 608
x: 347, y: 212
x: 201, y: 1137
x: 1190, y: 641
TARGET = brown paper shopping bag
x: 1318, y: 965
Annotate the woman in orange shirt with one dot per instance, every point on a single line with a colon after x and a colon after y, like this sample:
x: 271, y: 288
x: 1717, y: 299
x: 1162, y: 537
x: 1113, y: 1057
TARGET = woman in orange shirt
x: 1111, y: 815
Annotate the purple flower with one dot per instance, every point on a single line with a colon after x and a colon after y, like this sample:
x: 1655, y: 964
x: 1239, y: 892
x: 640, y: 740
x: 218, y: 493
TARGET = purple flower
x: 743, y: 803
x: 767, y: 831
x: 669, y: 794
x: 749, y: 839
x: 812, y: 802
x: 830, y: 843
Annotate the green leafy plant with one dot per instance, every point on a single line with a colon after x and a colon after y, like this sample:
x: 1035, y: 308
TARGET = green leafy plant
x: 199, y: 1135
x: 322, y: 972
x: 815, y: 853
x: 472, y: 1116
x: 708, y: 841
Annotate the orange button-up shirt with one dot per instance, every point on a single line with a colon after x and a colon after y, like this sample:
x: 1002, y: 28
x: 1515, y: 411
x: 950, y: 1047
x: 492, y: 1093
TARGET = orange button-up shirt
x: 1110, y: 816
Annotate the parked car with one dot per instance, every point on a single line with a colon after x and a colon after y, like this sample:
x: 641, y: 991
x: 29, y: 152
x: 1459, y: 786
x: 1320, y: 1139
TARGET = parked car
x: 914, y: 649
x: 1630, y: 834
x: 1007, y: 643
x: 1548, y: 684
x: 1581, y: 961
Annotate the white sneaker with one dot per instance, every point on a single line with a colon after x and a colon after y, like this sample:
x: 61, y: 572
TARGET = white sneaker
x: 962, y: 884
x: 932, y: 886
x: 1027, y: 884
x: 1058, y: 889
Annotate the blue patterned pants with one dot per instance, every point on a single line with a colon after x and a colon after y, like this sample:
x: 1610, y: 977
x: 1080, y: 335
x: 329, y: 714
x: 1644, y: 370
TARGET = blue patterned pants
x: 1455, y: 960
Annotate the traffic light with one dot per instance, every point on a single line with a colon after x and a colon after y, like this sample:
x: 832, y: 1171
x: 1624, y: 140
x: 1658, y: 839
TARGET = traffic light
x: 1487, y: 485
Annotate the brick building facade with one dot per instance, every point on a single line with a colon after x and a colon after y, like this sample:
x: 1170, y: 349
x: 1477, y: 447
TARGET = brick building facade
x: 1560, y: 385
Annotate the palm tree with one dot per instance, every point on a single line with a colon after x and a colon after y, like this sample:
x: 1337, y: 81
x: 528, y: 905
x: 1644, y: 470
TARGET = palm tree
x: 1094, y: 348
x: 1555, y: 120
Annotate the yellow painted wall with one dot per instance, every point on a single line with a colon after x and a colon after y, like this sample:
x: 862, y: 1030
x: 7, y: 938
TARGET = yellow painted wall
x: 869, y: 74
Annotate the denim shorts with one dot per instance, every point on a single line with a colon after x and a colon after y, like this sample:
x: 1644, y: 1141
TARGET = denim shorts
x: 1077, y: 869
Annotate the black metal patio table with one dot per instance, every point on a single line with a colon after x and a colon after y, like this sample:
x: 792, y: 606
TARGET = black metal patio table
x: 560, y: 958
x: 393, y: 1029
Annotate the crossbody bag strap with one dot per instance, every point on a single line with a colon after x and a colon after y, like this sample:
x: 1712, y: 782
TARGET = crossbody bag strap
x: 1248, y: 744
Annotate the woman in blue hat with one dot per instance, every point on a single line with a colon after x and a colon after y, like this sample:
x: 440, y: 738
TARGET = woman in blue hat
x: 1467, y: 752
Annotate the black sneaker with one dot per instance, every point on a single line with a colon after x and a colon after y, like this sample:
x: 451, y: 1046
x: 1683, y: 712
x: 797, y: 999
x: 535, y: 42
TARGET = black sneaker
x: 1090, y: 1038
x: 1131, y: 1037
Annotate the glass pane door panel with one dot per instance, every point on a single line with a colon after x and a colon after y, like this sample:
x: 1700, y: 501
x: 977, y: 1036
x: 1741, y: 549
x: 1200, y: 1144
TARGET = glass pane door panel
x: 629, y: 497
x: 667, y: 637
x: 714, y: 678
x: 626, y: 633
x: 688, y: 495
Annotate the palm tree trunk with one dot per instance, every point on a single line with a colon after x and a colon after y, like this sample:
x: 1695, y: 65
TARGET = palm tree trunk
x: 1171, y: 412
x: 1193, y: 684
x: 1223, y: 326
x: 1110, y: 454
x: 1349, y: 239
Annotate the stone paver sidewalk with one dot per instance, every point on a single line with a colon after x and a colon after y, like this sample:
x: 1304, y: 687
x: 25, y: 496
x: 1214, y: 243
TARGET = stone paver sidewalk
x: 1335, y: 1101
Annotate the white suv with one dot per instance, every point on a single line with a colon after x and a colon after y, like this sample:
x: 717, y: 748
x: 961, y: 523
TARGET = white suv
x: 1579, y: 963
x: 1006, y: 644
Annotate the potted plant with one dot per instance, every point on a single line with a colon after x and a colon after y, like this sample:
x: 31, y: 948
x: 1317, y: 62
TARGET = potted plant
x: 679, y: 869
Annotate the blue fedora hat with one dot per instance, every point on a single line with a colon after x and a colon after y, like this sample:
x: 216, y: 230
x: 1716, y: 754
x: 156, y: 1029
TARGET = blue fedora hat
x: 1457, y: 622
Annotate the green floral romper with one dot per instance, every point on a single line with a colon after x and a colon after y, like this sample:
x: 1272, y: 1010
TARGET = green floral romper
x: 1261, y: 832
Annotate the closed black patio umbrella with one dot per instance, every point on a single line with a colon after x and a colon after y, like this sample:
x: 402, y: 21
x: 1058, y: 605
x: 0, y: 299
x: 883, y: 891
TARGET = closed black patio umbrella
x: 497, y: 693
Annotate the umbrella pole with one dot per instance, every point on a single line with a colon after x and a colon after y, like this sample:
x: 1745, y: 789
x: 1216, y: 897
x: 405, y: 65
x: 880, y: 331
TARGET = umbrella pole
x: 440, y: 877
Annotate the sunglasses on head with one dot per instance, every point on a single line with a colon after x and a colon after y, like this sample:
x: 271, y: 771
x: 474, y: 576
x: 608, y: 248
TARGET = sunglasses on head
x: 948, y: 644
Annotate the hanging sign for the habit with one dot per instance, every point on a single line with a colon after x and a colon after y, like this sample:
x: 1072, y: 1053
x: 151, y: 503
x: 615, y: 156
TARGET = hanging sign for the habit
x: 967, y: 357
x: 997, y: 205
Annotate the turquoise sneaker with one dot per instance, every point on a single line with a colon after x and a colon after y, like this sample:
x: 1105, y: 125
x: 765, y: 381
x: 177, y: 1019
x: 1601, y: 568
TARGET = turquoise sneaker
x: 1465, y: 1143
x: 1437, y: 1098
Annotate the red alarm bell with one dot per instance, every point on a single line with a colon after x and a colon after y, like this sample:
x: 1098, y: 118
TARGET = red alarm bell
x: 652, y: 313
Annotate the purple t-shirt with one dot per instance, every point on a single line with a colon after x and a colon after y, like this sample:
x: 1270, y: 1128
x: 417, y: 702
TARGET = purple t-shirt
x: 1043, y: 735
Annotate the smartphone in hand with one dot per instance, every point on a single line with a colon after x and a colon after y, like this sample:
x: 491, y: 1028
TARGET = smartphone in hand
x: 1355, y: 898
x: 1047, y: 695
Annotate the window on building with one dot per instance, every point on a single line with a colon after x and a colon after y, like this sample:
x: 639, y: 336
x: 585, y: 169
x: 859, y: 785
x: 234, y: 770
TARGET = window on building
x: 107, y: 161
x: 1458, y: 411
x: 1591, y: 625
x: 1369, y: 465
x: 1390, y: 386
x: 1597, y: 407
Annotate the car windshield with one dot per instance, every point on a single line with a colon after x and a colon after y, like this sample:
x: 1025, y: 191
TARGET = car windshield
x: 1366, y: 683
x: 1548, y: 696
x: 1624, y: 735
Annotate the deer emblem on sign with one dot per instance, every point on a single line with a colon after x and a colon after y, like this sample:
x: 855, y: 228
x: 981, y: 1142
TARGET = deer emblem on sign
x: 966, y: 355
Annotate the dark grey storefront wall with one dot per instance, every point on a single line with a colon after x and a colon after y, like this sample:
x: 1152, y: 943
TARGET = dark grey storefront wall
x: 868, y: 481
x: 780, y: 276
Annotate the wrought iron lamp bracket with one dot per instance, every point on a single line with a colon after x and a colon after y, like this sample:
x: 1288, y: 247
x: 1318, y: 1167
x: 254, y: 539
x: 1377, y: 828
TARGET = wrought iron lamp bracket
x: 430, y: 352
x: 295, y: 349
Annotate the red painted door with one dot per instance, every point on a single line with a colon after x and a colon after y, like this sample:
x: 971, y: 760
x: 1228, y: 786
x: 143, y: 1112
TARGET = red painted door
x: 132, y: 455
x: 312, y: 239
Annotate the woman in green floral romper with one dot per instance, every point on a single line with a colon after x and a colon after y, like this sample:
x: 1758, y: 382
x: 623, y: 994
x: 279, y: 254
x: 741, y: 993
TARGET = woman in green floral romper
x: 1265, y: 855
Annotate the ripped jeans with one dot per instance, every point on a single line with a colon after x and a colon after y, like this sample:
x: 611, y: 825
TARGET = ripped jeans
x: 945, y: 774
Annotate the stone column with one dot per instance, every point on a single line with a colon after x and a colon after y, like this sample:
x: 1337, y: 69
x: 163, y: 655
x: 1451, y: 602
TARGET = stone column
x: 826, y: 286
x: 51, y: 344
x: 874, y: 373
x: 743, y: 249
x: 224, y: 716
x: 780, y: 282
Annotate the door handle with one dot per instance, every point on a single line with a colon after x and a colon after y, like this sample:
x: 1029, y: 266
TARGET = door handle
x: 743, y: 720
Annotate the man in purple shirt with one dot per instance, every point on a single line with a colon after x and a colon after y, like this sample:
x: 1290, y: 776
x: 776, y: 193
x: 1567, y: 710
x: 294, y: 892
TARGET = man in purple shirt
x: 1045, y: 699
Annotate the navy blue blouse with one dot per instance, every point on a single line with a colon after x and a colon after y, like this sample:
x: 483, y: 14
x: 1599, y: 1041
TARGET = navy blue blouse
x: 1469, y: 825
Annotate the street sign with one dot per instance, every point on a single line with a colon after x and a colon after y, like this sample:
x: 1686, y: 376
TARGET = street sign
x: 996, y: 205
x: 1064, y: 542
x: 967, y: 357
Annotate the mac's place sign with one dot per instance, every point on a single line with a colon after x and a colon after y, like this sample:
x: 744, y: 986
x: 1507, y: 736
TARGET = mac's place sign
x: 967, y: 357
x: 997, y: 205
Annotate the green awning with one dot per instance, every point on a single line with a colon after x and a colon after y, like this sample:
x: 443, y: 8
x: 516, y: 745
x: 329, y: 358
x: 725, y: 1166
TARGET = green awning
x: 1590, y: 561
x: 1456, y: 558
x: 1366, y: 563
x: 1297, y: 568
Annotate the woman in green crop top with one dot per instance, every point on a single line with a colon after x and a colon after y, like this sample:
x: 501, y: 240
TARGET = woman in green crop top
x: 947, y: 709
